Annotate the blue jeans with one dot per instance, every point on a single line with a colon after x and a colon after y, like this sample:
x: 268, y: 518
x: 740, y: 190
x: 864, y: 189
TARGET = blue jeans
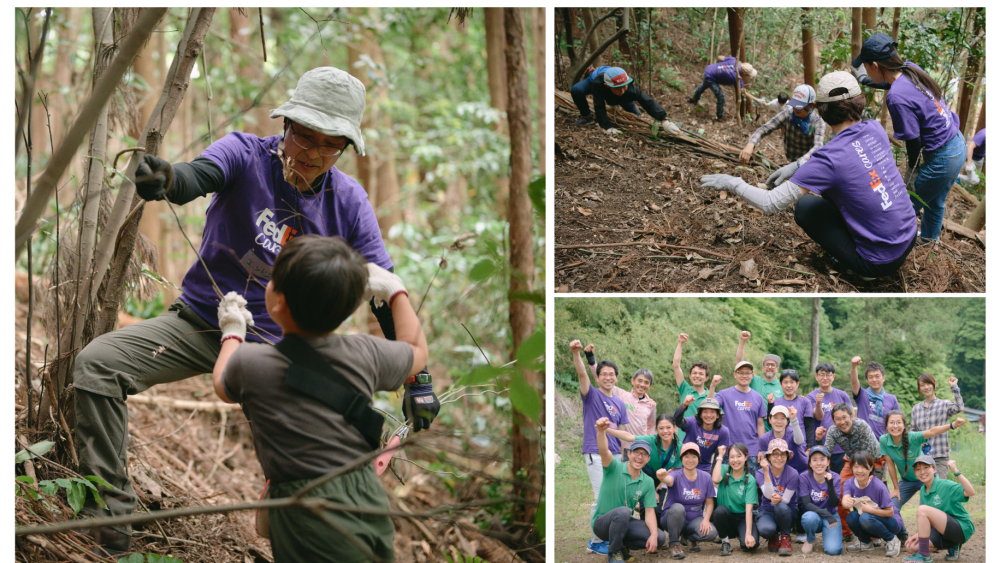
x: 866, y: 526
x: 777, y: 520
x: 833, y: 539
x: 583, y: 88
x: 906, y: 491
x: 720, y: 98
x: 935, y: 176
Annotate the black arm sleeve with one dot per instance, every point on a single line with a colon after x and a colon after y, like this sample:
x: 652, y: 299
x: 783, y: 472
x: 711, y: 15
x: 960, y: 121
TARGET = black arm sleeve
x: 832, y: 491
x: 806, y: 504
x: 913, y: 147
x: 810, y: 424
x: 650, y: 105
x: 679, y: 420
x: 383, y: 315
x: 195, y: 179
x: 867, y: 81
x: 600, y: 108
x: 769, y: 407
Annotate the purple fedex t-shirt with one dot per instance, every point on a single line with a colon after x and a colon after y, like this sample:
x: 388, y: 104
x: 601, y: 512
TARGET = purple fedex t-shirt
x: 817, y: 492
x: 918, y: 115
x: 708, y: 441
x: 741, y: 411
x: 857, y: 173
x: 875, y: 490
x: 598, y: 405
x: 979, y: 152
x: 256, y: 212
x: 787, y: 481
x: 867, y: 413
x: 723, y: 73
x: 691, y: 494
x: 835, y: 396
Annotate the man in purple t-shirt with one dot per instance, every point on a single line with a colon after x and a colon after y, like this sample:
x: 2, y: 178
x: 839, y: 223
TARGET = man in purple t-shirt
x: 743, y: 413
x: 724, y: 73
x: 267, y: 190
x: 823, y: 398
x: 874, y: 401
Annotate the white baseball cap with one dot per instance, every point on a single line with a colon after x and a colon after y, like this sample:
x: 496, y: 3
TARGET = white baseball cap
x: 802, y: 97
x: 330, y: 101
x: 837, y: 85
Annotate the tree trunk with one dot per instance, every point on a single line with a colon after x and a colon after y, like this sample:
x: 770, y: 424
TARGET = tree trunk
x: 737, y: 47
x: 971, y: 71
x: 808, y: 50
x: 594, y: 38
x: 363, y: 163
x: 977, y: 219
x: 497, y: 74
x: 895, y: 23
x: 569, y: 22
x: 814, y: 352
x: 538, y: 42
x: 59, y: 105
x: 623, y: 45
x: 856, y: 35
x: 711, y: 49
x: 522, y: 255
x: 869, y: 19
x: 257, y: 121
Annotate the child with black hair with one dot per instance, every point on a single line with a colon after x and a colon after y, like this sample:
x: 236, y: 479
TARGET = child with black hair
x: 736, y: 496
x: 823, y: 398
x: 300, y: 428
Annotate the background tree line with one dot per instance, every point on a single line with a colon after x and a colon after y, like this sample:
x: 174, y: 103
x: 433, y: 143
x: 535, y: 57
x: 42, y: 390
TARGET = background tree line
x: 909, y: 336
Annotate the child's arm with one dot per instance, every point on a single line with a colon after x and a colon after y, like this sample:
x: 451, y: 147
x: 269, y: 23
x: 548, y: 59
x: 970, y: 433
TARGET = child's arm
x: 228, y: 347
x: 408, y: 330
x: 233, y: 321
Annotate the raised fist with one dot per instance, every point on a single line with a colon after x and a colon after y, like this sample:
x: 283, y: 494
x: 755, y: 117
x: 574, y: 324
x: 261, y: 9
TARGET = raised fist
x: 856, y: 361
x: 716, y: 379
x: 589, y: 349
x: 575, y: 346
x: 820, y: 434
x: 682, y: 338
x: 688, y: 400
x: 829, y: 475
x: 722, y: 451
x: 952, y: 381
x: 792, y: 412
x: 602, y: 424
x: 958, y: 422
x: 770, y: 397
x: 744, y: 336
x: 819, y: 398
x: 953, y: 465
x: 763, y: 462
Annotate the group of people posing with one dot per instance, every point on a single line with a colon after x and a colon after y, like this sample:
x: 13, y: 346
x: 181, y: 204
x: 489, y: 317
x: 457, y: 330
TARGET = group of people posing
x: 758, y: 462
x: 865, y: 214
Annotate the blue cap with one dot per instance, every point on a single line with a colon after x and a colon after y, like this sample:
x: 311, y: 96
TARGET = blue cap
x: 875, y: 48
x: 642, y: 445
x: 820, y: 449
x: 615, y: 77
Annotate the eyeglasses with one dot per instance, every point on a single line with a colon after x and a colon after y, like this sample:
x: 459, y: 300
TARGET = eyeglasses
x: 305, y: 143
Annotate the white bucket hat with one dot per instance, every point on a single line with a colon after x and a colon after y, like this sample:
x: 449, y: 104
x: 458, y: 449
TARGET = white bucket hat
x: 330, y: 101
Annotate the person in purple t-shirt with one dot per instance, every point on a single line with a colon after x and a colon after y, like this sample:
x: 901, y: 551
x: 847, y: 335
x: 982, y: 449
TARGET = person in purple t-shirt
x: 975, y: 159
x: 818, y: 501
x: 921, y: 117
x: 872, y: 402
x: 877, y: 517
x: 743, y: 412
x: 705, y: 429
x: 785, y: 426
x: 779, y: 508
x: 862, y: 218
x: 789, y: 380
x: 823, y: 399
x: 598, y: 403
x: 688, y: 489
x: 266, y: 191
x: 724, y: 73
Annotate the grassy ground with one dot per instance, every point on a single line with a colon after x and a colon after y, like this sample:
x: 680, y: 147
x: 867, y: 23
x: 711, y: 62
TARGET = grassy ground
x: 573, y: 497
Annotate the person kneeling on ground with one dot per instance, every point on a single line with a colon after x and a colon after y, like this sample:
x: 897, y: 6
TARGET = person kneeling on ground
x: 610, y: 85
x: 688, y: 490
x: 736, y: 497
x: 805, y: 132
x: 724, y: 73
x: 863, y: 217
x: 298, y: 391
x: 779, y: 511
x: 874, y: 515
x: 942, y: 520
x: 624, y: 485
x: 818, y: 502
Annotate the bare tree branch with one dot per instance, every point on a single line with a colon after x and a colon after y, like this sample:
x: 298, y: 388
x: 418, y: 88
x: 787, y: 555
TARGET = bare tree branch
x: 28, y: 82
x: 577, y: 73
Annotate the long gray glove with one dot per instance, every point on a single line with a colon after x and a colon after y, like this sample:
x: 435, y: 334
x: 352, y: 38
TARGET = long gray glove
x: 782, y: 174
x: 721, y: 182
x: 768, y: 201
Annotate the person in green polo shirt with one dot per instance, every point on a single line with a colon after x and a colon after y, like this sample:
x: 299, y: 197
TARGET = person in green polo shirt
x: 736, y: 497
x: 624, y: 485
x: 942, y: 520
x: 898, y: 439
x: 768, y: 386
x: 665, y: 453
x: 698, y: 374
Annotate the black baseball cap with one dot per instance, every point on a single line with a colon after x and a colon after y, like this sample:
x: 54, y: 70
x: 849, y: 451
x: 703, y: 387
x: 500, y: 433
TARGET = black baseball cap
x: 875, y: 48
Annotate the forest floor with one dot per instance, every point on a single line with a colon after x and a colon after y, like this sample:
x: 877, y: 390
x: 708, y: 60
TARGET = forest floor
x: 184, y: 457
x: 629, y: 189
x: 573, y: 497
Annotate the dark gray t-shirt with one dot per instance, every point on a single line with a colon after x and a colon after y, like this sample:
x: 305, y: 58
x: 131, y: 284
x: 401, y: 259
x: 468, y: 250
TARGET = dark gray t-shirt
x: 298, y: 437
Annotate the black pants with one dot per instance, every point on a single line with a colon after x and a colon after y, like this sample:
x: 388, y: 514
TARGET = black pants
x: 720, y: 98
x: 952, y: 536
x: 735, y: 526
x: 822, y: 221
x: 617, y: 527
x: 660, y: 495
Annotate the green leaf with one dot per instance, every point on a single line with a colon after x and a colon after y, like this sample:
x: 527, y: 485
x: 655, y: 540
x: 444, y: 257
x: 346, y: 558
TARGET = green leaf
x: 656, y: 127
x: 524, y: 397
x: 536, y: 191
x: 93, y: 489
x: 480, y: 375
x: 25, y: 479
x: 33, y: 451
x: 153, y: 558
x: 97, y: 480
x: 531, y: 348
x: 914, y: 194
x: 482, y: 270
x: 134, y: 558
x: 48, y: 487
x: 540, y: 520
x: 64, y: 483
x: 76, y: 494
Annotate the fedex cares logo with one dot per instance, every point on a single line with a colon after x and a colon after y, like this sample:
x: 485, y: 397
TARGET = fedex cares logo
x: 612, y: 410
x: 876, y: 185
x: 819, y: 496
x: 707, y: 440
x: 693, y: 494
x: 272, y: 237
x: 743, y: 405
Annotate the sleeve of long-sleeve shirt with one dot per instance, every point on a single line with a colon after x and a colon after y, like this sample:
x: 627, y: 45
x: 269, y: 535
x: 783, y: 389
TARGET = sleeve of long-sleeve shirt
x: 818, y: 139
x: 797, y: 431
x: 651, y: 107
x: 829, y: 443
x: 959, y: 404
x: 771, y: 126
x: 600, y: 109
x: 810, y: 431
x: 679, y: 420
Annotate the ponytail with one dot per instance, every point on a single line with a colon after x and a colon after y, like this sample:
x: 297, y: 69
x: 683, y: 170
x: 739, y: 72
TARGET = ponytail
x: 919, y: 78
x: 905, y: 443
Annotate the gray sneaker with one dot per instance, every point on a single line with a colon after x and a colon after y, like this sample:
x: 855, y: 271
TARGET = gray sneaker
x: 892, y: 547
x: 877, y: 542
x: 953, y: 553
x: 858, y: 545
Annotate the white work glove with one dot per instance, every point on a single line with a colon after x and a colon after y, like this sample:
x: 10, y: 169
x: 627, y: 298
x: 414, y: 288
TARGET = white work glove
x: 721, y: 182
x: 669, y: 128
x: 971, y: 178
x: 782, y: 175
x: 383, y: 285
x: 613, y: 131
x: 234, y: 317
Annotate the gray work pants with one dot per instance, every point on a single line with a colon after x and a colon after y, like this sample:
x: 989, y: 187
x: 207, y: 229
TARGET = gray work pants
x: 595, y: 471
x: 617, y: 527
x: 121, y: 363
x: 678, y: 525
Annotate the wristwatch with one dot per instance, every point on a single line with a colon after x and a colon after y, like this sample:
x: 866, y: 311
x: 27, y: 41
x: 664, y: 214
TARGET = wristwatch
x: 420, y: 378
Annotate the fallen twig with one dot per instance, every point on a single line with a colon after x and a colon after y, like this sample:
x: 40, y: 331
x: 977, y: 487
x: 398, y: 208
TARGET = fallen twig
x: 650, y: 243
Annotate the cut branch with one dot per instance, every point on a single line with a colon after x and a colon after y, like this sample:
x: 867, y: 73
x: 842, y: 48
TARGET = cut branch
x: 577, y: 73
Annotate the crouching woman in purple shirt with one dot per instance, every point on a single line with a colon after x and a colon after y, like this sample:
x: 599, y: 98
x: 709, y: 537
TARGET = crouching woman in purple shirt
x: 863, y: 217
